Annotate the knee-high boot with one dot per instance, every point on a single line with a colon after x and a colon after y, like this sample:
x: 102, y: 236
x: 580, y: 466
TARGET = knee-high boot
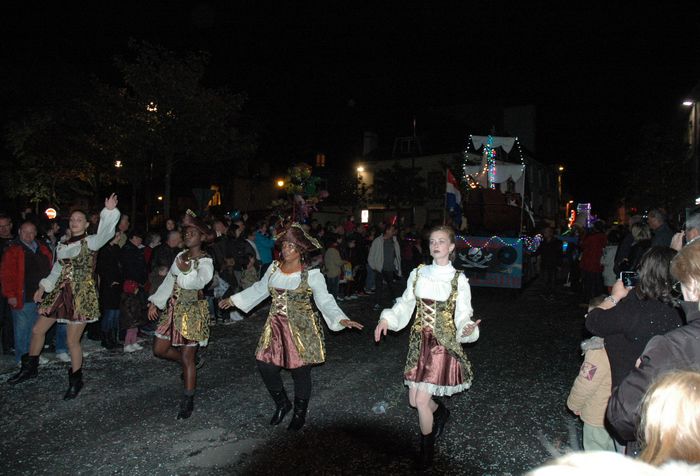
x: 75, y: 383
x: 299, y: 418
x: 29, y: 369
x: 440, y: 417
x: 283, y: 406
x: 427, y: 449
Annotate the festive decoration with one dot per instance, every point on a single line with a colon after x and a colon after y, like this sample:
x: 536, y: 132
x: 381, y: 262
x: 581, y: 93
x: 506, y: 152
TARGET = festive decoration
x: 530, y: 243
x: 487, y: 175
x: 304, y: 196
x: 490, y: 157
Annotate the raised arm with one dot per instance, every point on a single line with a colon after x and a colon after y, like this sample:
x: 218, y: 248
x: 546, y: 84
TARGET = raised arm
x: 109, y: 217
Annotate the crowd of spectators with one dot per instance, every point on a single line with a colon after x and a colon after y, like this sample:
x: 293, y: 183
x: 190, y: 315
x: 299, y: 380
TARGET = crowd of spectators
x: 637, y: 387
x: 357, y: 261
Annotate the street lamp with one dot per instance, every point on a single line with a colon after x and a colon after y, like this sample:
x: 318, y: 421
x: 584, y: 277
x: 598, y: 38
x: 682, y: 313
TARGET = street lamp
x: 693, y: 141
x: 279, y: 183
x: 360, y: 169
x: 118, y: 164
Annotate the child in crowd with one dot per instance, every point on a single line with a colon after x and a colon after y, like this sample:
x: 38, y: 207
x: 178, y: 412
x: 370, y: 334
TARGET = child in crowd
x: 591, y: 391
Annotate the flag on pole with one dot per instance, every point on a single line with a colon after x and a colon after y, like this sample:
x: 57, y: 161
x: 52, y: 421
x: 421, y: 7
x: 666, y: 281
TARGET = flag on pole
x: 453, y: 199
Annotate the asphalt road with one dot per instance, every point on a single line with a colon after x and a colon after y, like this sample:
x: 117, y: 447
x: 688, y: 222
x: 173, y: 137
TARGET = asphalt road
x: 512, y: 419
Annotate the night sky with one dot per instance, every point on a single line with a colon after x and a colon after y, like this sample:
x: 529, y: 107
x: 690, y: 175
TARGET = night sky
x: 318, y: 75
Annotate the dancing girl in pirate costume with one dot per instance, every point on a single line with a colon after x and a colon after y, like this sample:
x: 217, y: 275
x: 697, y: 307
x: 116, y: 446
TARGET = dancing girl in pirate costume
x: 436, y: 363
x: 292, y: 338
x: 184, y: 324
x: 72, y: 294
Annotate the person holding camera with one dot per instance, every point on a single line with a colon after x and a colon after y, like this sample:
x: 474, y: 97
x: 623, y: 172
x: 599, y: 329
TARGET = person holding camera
x: 632, y: 315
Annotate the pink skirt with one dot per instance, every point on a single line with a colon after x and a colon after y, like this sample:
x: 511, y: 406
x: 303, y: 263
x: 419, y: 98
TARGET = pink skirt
x: 437, y: 371
x: 282, y: 351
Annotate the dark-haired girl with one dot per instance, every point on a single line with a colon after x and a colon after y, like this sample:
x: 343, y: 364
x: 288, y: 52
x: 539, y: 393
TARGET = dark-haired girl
x: 72, y: 293
x: 631, y: 316
x: 292, y: 338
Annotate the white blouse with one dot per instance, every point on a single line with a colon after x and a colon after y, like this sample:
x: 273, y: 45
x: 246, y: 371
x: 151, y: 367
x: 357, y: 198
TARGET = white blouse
x: 258, y: 292
x: 194, y: 278
x: 434, y: 283
x: 105, y: 232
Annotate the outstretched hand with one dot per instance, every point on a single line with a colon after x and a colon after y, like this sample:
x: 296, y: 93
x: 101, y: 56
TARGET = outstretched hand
x: 468, y: 329
x: 347, y: 323
x: 381, y: 329
x: 225, y: 304
x: 111, y: 202
x: 152, y: 312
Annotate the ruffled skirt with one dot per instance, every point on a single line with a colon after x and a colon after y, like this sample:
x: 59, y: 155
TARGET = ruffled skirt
x: 437, y: 371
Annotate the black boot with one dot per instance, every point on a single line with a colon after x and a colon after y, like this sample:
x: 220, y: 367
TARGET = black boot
x: 186, y: 407
x: 75, y: 383
x: 299, y: 418
x: 440, y: 417
x: 283, y: 406
x: 30, y: 364
x: 427, y: 448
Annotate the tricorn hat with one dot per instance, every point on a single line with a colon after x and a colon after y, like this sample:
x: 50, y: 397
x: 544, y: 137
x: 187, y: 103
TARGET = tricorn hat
x: 191, y: 220
x: 296, y: 235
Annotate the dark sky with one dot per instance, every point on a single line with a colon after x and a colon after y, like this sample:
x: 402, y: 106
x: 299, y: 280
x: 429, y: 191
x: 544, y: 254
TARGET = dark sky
x: 326, y: 71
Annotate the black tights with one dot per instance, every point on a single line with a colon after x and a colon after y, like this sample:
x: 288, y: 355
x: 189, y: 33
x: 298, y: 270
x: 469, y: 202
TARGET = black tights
x: 273, y: 380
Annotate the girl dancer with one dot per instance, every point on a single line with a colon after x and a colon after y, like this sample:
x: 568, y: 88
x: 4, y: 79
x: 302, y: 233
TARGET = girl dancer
x: 293, y: 336
x: 72, y: 294
x: 184, y: 327
x: 436, y: 363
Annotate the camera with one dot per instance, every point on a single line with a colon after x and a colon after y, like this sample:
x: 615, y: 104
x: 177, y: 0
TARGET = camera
x: 629, y: 278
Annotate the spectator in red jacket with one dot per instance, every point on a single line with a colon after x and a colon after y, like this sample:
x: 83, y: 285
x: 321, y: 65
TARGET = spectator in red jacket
x: 25, y: 262
x: 592, y: 247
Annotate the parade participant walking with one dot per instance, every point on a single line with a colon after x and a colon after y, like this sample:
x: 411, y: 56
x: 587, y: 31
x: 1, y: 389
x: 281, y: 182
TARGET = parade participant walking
x: 292, y: 337
x: 436, y: 364
x: 72, y: 294
x: 184, y: 326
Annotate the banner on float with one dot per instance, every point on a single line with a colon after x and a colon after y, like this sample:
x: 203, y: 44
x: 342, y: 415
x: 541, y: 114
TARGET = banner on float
x: 491, y: 262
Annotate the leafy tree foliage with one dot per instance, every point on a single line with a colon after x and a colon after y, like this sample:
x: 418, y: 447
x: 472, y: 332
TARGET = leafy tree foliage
x: 399, y: 187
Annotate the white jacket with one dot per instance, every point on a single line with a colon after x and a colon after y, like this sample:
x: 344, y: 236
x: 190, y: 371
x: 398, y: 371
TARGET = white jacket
x: 375, y: 259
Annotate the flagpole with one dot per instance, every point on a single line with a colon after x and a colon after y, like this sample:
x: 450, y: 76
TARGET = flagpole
x: 444, y: 205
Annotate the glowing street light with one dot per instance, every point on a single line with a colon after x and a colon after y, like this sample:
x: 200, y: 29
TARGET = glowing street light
x: 279, y: 183
x: 118, y: 164
x: 152, y: 107
x: 688, y: 103
x: 160, y: 198
x: 360, y: 169
x: 561, y: 168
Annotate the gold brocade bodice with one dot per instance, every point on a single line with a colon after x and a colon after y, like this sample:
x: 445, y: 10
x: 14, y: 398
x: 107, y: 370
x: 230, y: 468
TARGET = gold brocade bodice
x: 438, y: 317
x: 302, y: 318
x: 79, y: 274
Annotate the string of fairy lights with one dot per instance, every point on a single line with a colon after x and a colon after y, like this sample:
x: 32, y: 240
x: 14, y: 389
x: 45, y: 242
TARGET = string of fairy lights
x: 531, y: 243
x: 488, y: 163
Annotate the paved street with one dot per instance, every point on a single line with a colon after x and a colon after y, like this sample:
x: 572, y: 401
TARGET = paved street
x: 123, y: 421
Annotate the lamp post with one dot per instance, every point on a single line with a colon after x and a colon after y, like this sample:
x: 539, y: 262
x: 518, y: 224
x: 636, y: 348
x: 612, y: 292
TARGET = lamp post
x: 693, y: 141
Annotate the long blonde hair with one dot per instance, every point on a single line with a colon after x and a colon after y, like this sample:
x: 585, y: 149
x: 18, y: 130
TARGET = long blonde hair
x: 670, y: 425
